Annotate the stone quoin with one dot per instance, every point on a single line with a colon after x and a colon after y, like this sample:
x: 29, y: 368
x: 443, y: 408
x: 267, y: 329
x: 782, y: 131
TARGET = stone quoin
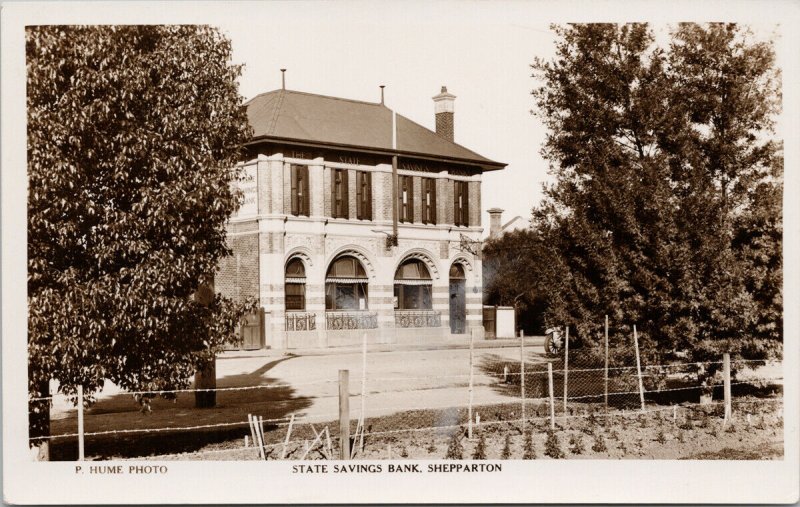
x: 332, y: 246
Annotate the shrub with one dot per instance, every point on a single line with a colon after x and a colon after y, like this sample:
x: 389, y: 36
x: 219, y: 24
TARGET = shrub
x: 455, y: 450
x: 552, y: 446
x: 713, y: 432
x: 761, y: 425
x: 614, y: 435
x: 431, y: 447
x: 686, y: 424
x: 528, y: 451
x: 506, y: 454
x: 730, y: 429
x: 576, y: 444
x: 403, y: 452
x: 681, y: 437
x: 599, y: 444
x: 661, y: 438
x: 480, y: 449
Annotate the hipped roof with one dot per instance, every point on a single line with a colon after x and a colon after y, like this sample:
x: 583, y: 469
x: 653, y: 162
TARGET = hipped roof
x: 319, y: 120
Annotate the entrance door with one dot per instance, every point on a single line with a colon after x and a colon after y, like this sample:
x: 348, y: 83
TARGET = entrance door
x: 252, y: 330
x: 458, y: 300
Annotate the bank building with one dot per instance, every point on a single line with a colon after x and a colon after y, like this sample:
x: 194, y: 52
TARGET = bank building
x: 355, y: 220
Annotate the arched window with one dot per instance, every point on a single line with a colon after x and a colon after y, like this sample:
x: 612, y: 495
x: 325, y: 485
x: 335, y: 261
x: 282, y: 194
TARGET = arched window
x: 413, y: 286
x: 346, y: 285
x: 295, y: 287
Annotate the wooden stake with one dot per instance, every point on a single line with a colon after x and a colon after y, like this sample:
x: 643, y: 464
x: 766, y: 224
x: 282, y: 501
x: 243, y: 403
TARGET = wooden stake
x: 344, y: 414
x: 389, y: 451
x: 288, y: 434
x: 260, y: 433
x: 81, y: 456
x: 505, y: 374
x: 552, y: 400
x: 246, y: 441
x: 363, y: 392
x: 522, y: 375
x: 606, y: 372
x: 726, y: 373
x: 330, y: 444
x: 252, y: 429
x: 638, y: 366
x: 469, y: 408
x: 566, y: 372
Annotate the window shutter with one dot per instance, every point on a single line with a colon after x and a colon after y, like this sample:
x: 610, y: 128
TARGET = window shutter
x: 410, y: 180
x: 295, y: 209
x: 432, y: 216
x: 345, y: 195
x: 306, y: 198
x: 368, y: 192
x: 334, y: 211
x: 456, y: 209
x: 360, y: 194
x: 465, y: 210
x: 400, y: 209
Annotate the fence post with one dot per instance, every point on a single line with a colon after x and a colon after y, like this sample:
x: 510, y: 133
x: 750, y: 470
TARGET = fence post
x: 80, y: 424
x: 566, y: 372
x: 363, y: 392
x: 344, y: 413
x: 638, y: 366
x: 552, y: 401
x: 605, y: 391
x: 469, y: 409
x: 522, y: 374
x: 726, y: 372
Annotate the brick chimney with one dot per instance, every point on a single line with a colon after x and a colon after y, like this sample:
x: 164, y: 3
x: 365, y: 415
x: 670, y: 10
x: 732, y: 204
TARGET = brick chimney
x: 494, y: 221
x: 443, y: 106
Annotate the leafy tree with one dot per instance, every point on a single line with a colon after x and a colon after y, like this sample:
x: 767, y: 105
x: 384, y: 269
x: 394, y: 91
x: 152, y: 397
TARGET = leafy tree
x: 665, y: 211
x: 132, y: 134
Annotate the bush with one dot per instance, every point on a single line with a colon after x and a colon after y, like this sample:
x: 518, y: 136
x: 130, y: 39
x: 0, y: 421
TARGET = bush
x: 681, y: 437
x: 431, y: 447
x: 528, y: 451
x: 403, y: 452
x: 455, y: 450
x: 506, y: 454
x: 480, y: 449
x: 730, y: 429
x: 552, y: 446
x: 661, y: 438
x: 576, y: 444
x: 599, y: 444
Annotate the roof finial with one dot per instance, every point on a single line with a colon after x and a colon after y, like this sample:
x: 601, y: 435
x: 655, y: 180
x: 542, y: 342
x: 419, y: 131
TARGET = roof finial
x: 382, y: 87
x: 283, y: 79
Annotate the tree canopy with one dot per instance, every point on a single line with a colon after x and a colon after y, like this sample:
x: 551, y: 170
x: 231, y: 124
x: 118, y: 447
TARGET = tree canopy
x: 665, y: 209
x: 133, y: 136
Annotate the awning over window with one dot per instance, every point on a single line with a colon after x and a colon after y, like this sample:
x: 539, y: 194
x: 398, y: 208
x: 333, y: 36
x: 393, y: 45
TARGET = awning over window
x: 413, y: 282
x: 331, y: 279
x: 295, y: 280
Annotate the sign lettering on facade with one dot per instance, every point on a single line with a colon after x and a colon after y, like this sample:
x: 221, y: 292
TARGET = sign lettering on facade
x: 248, y: 183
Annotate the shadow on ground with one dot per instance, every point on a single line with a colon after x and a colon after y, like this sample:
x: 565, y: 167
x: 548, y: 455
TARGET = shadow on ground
x: 271, y: 400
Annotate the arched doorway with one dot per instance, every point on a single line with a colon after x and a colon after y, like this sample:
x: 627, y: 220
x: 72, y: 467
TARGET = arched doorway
x: 458, y: 299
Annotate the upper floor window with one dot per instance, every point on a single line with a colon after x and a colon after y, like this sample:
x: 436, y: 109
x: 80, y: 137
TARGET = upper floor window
x: 339, y: 197
x: 428, y: 201
x: 461, y: 203
x: 363, y: 195
x: 295, y: 288
x: 299, y: 190
x: 405, y: 198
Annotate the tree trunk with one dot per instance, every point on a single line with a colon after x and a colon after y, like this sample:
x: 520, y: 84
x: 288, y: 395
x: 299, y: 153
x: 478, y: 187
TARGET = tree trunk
x: 39, y: 422
x: 206, y: 378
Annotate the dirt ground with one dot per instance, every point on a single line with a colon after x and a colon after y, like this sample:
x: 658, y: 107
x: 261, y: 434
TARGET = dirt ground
x: 697, y: 432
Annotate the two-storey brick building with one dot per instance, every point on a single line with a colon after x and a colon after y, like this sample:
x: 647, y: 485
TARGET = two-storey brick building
x: 353, y: 222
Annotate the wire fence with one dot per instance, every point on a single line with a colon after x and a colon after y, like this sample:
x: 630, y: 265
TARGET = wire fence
x: 375, y: 415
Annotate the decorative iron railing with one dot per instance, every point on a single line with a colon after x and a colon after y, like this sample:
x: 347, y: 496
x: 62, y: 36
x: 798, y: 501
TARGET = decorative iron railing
x: 351, y: 320
x: 417, y: 318
x: 301, y: 321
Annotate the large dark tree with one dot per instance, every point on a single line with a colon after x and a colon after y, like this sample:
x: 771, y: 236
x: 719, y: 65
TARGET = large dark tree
x: 666, y: 206
x: 132, y: 137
